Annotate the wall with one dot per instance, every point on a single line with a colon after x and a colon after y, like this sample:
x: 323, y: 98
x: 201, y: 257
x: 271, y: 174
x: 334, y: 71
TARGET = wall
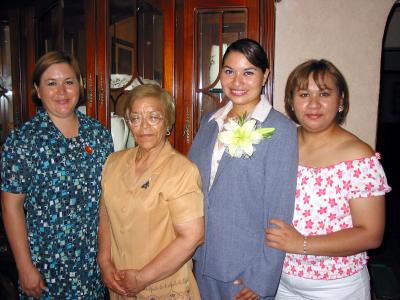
x: 348, y: 33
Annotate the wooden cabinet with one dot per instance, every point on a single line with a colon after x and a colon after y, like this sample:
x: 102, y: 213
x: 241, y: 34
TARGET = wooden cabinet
x: 178, y: 43
x: 115, y: 41
x: 208, y: 27
x: 16, y: 54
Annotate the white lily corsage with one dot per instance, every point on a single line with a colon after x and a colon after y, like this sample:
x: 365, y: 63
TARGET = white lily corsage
x: 240, y: 135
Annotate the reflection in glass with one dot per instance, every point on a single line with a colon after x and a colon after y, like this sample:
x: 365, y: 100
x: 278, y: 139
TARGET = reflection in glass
x: 123, y: 37
x: 216, y: 29
x: 136, y: 31
x: 150, y: 42
x: 6, y: 100
x: 74, y: 32
x: 68, y: 35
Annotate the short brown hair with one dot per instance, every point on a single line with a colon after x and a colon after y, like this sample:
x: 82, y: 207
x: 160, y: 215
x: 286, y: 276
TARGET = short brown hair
x: 153, y: 90
x: 49, y: 59
x: 298, y: 79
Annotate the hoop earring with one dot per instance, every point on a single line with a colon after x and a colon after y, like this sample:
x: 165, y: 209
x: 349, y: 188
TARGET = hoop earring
x: 340, y: 109
x: 168, y: 133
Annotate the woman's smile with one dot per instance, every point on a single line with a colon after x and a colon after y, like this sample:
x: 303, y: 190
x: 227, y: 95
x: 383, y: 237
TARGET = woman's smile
x: 241, y: 82
x: 238, y: 92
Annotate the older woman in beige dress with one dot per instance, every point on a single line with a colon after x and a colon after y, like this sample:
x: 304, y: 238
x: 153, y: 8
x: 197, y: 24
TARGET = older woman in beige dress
x: 151, y: 214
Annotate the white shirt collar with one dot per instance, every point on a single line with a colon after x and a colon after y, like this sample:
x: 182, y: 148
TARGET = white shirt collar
x: 260, y: 112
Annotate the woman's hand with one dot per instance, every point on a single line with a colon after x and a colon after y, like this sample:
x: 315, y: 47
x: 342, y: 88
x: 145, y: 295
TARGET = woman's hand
x: 112, y: 277
x: 131, y: 282
x: 13, y: 215
x: 31, y: 281
x: 188, y: 236
x: 284, y: 237
x: 109, y: 273
x: 245, y: 293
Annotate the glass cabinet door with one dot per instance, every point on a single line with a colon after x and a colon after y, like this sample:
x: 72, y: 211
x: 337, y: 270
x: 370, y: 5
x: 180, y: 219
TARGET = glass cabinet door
x: 6, y: 95
x: 216, y: 30
x: 123, y: 41
x: 61, y: 26
x: 136, y: 34
x: 209, y: 27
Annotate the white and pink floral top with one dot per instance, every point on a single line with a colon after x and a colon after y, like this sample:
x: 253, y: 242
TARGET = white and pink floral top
x: 322, y: 207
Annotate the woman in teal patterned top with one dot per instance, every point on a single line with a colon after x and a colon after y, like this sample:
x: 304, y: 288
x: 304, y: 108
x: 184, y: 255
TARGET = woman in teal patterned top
x: 50, y: 182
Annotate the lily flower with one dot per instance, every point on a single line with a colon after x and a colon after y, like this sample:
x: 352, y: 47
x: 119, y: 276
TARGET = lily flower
x: 240, y: 136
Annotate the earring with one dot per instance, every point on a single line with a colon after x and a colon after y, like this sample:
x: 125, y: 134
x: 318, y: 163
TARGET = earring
x: 340, y: 109
x: 168, y: 133
x: 292, y: 108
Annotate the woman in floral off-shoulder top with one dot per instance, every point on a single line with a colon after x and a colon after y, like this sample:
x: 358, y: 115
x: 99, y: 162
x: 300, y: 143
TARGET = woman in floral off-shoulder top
x: 340, y: 203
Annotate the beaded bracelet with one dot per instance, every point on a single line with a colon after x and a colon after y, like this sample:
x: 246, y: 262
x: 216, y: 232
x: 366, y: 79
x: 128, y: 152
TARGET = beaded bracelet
x: 305, y: 245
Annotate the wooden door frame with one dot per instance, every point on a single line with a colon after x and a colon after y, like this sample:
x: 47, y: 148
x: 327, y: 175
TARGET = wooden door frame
x: 98, y: 56
x: 184, y: 56
x: 103, y: 58
x: 267, y: 40
x: 90, y: 82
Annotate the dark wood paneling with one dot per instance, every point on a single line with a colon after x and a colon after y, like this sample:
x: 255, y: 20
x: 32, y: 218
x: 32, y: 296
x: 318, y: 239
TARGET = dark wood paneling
x: 19, y: 111
x: 91, y: 94
x: 178, y: 72
x: 29, y: 45
x: 168, y: 10
x: 267, y: 40
x: 102, y: 57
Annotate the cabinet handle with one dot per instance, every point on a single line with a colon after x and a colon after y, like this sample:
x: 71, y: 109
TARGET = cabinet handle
x: 186, y: 130
x: 90, y: 89
x: 101, y: 89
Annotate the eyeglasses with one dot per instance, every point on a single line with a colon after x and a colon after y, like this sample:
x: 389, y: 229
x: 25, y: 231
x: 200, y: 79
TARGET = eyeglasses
x: 153, y: 119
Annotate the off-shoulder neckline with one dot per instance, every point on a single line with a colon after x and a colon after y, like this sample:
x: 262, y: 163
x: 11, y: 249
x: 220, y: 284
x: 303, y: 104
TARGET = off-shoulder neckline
x: 332, y: 166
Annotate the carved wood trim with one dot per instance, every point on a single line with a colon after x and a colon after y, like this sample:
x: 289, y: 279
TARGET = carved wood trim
x: 267, y: 40
x: 184, y: 47
x: 178, y: 73
x: 90, y: 82
x: 103, y: 57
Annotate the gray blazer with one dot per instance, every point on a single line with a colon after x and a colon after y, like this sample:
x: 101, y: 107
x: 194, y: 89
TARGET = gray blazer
x: 245, y: 195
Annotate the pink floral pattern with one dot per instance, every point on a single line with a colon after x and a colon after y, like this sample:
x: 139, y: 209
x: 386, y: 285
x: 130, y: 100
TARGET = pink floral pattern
x: 322, y: 207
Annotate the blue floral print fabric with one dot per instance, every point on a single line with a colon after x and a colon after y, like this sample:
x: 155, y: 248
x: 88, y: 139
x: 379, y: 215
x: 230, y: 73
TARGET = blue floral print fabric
x: 61, y: 180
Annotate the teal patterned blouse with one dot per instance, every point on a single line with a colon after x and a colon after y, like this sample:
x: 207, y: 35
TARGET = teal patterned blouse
x: 61, y: 180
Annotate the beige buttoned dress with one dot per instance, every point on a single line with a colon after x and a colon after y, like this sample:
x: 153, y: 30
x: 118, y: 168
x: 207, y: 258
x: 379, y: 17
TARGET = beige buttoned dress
x: 142, y: 215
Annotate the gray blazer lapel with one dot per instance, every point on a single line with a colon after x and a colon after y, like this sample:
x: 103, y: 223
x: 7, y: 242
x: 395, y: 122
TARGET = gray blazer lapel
x: 225, y: 160
x: 209, y: 148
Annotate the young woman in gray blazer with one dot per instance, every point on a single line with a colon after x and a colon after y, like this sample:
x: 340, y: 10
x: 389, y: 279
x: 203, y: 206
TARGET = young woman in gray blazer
x: 247, y: 156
